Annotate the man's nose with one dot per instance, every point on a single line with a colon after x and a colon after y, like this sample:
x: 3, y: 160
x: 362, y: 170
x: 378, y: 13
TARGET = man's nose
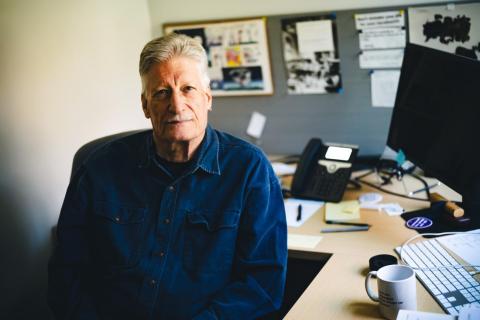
x: 177, y: 102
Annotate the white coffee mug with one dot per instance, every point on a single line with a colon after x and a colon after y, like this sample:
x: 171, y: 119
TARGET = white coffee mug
x: 396, y: 289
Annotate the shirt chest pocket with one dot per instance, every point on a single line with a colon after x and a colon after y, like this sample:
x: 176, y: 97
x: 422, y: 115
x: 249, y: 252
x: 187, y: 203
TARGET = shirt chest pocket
x: 117, y: 233
x: 210, y: 239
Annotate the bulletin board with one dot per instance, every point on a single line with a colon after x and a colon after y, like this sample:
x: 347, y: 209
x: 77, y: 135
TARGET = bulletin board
x: 343, y: 117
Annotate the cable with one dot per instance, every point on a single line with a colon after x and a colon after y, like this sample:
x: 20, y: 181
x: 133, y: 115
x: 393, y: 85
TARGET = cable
x: 359, y: 179
x: 459, y: 266
x: 425, y: 184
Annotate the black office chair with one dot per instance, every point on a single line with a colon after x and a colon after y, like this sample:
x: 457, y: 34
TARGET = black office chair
x: 84, y: 152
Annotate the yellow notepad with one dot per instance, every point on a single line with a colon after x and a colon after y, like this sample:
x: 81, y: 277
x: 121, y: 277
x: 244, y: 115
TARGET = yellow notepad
x: 345, y: 210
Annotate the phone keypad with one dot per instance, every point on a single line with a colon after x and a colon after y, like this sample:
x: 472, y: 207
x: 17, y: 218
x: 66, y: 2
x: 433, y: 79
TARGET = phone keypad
x: 329, y: 186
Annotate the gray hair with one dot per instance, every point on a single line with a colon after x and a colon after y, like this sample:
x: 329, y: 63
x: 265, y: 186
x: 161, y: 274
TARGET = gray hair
x: 164, y: 48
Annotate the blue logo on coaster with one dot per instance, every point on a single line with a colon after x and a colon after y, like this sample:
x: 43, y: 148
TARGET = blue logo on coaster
x: 419, y: 223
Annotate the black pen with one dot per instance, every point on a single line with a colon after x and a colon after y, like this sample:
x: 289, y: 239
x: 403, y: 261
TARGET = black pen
x: 299, y: 212
x: 348, y: 229
x: 347, y: 223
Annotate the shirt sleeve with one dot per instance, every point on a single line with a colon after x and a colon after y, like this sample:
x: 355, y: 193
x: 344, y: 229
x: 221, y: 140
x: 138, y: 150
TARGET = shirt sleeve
x: 68, y: 290
x: 259, y: 272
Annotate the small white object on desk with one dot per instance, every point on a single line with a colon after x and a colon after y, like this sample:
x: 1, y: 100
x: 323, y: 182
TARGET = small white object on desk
x: 370, y: 197
x: 418, y: 315
x: 282, y: 169
x: 392, y: 209
x: 469, y: 312
x: 308, y: 208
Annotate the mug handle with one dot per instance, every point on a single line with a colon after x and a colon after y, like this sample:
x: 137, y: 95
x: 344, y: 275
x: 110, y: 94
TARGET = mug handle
x: 370, y: 293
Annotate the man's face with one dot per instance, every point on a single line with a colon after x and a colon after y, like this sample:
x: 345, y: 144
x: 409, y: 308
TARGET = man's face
x: 177, y: 100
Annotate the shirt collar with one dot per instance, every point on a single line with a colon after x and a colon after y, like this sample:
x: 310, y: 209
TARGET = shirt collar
x: 206, y: 157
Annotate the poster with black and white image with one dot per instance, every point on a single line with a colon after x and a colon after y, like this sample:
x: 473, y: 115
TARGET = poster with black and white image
x: 453, y: 28
x: 310, y: 53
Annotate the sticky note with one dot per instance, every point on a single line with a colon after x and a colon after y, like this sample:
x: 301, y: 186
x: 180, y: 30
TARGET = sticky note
x: 302, y: 241
x: 345, y: 210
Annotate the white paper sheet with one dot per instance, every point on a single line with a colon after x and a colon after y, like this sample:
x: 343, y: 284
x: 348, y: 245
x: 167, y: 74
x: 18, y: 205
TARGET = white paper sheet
x: 467, y: 312
x: 378, y: 59
x: 256, y: 125
x: 382, y: 38
x: 302, y: 241
x: 315, y: 36
x: 282, y: 169
x: 380, y: 19
x: 465, y: 245
x: 384, y: 85
x: 418, y: 315
x: 309, y: 207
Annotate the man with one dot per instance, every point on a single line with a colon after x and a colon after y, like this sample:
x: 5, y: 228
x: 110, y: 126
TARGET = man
x: 182, y: 222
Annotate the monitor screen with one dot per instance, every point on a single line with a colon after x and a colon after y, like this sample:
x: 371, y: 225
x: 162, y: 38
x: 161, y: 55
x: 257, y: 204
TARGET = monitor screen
x: 436, y: 118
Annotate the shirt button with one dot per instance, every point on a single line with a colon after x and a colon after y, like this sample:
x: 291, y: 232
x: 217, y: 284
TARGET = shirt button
x: 153, y: 282
x: 160, y: 254
x: 171, y: 188
x: 117, y: 219
x: 167, y: 221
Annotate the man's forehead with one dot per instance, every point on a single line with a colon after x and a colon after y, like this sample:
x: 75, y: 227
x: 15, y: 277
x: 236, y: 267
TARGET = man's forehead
x: 173, y: 69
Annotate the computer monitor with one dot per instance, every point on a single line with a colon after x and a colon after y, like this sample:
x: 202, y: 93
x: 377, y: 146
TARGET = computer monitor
x: 436, y: 119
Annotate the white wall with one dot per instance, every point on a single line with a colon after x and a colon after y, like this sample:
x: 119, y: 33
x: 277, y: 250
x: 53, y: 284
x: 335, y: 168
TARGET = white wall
x: 68, y: 75
x: 162, y: 11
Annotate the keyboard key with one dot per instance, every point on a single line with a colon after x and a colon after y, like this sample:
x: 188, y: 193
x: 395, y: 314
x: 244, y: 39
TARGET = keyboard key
x: 434, y: 290
x: 471, y: 299
x: 452, y: 311
x: 458, y: 286
x: 442, y: 288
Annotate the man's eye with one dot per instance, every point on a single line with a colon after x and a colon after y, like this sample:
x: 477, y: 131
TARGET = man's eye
x: 162, y: 93
x: 188, y: 88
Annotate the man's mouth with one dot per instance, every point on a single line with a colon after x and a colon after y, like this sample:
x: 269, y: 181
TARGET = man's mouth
x: 178, y: 120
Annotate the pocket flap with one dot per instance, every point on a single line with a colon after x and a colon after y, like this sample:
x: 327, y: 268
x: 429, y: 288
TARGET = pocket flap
x: 214, y: 221
x: 120, y: 214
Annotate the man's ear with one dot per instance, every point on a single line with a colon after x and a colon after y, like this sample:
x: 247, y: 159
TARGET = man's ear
x: 146, y: 112
x: 208, y: 92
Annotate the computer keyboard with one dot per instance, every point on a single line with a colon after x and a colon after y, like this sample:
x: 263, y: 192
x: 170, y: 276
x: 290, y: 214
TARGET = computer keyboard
x: 452, y: 287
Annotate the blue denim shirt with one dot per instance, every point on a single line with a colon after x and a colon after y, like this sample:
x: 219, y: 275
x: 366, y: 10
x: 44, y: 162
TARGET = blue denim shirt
x: 136, y: 243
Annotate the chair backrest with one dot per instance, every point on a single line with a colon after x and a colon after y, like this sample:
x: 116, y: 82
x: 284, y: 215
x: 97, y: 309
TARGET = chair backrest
x: 84, y: 152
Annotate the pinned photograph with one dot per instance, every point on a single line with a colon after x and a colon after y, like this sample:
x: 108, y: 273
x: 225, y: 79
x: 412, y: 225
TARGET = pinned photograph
x: 311, y: 55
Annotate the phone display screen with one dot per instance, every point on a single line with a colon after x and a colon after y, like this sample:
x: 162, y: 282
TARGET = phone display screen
x: 338, y: 153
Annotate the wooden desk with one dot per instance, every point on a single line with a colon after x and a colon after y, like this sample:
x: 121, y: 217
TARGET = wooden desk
x: 338, y: 291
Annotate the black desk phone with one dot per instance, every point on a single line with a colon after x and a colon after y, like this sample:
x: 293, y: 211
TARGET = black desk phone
x: 323, y: 171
